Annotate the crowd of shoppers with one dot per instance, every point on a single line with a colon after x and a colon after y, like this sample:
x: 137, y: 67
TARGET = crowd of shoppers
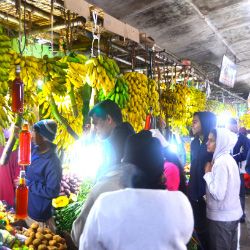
x: 140, y: 199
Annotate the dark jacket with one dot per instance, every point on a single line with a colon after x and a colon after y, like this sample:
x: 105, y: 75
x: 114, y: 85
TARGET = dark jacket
x: 43, y: 177
x: 248, y: 163
x: 114, y: 147
x: 241, y: 148
x: 200, y: 156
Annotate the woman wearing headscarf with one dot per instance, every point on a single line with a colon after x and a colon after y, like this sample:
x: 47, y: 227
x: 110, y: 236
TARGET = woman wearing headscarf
x: 144, y: 216
x: 222, y: 191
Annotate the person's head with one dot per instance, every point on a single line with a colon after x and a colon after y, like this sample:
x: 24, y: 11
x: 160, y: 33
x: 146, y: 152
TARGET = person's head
x: 211, y: 143
x: 146, y: 154
x: 232, y: 125
x: 44, y: 132
x: 221, y: 141
x: 106, y: 115
x: 202, y: 123
x: 243, y: 130
x: 161, y: 123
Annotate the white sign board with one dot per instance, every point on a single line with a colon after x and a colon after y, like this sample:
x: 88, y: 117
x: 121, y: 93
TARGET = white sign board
x: 228, y: 72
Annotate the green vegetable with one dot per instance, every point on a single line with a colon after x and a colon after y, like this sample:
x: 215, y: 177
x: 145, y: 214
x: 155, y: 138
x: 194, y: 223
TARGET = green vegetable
x: 66, y: 216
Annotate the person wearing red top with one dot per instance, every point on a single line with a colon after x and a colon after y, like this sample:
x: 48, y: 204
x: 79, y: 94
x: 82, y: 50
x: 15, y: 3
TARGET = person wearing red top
x: 8, y: 173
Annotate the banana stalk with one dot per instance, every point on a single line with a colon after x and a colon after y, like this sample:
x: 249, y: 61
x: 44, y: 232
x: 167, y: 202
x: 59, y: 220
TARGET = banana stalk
x: 11, y: 142
x: 73, y: 101
x: 60, y: 118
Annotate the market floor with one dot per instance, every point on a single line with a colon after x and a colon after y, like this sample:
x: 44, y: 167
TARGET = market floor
x: 245, y: 227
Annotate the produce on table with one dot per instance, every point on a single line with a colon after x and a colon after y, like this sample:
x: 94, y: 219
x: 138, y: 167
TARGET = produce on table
x: 60, y: 201
x: 70, y: 184
x: 136, y: 110
x: 65, y: 217
x: 18, y: 246
x: 42, y: 239
x: 7, y: 215
x: 6, y: 239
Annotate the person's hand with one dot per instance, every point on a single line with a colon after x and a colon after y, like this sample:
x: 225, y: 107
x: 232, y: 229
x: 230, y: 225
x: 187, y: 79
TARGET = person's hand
x: 17, y: 181
x: 208, y: 167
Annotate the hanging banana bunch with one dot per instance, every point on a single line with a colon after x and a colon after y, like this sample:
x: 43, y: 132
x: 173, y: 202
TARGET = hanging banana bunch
x: 55, y: 73
x: 136, y: 110
x: 5, y: 46
x: 118, y: 94
x: 31, y: 71
x: 77, y: 70
x: 63, y: 139
x: 101, y: 73
x: 153, y: 97
x: 6, y: 117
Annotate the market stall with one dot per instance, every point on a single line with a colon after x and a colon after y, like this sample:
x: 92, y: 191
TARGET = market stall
x: 65, y: 74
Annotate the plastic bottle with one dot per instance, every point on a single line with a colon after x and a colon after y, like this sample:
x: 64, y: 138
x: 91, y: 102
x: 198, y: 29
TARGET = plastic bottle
x: 149, y: 120
x: 24, y: 146
x: 22, y: 198
x: 17, y: 93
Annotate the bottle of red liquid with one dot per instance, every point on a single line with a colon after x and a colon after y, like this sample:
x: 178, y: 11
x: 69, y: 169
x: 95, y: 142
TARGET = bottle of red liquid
x: 22, y: 198
x: 17, y: 92
x: 149, y: 120
x: 24, y: 146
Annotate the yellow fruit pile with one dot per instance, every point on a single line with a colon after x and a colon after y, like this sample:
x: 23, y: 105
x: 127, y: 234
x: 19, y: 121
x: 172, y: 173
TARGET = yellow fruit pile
x: 219, y: 108
x: 4, y: 63
x: 30, y: 72
x: 29, y: 116
x: 63, y: 139
x: 180, y: 103
x: 101, y: 73
x: 76, y: 71
x: 153, y: 97
x: 214, y: 107
x: 5, y: 114
x: 119, y: 94
x: 54, y: 71
x: 136, y: 110
x: 245, y: 121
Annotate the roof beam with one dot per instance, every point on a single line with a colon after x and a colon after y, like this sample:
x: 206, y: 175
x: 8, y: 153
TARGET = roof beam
x: 36, y: 11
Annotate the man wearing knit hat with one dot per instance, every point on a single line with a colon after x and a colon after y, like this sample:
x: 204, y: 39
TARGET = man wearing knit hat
x: 43, y: 176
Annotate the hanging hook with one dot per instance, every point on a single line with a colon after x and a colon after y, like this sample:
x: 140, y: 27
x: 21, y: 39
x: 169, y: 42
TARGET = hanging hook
x: 95, y: 34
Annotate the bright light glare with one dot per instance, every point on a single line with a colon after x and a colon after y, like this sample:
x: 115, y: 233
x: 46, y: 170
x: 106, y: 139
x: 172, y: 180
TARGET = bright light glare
x: 222, y: 119
x: 87, y: 160
x: 173, y: 147
x: 39, y: 83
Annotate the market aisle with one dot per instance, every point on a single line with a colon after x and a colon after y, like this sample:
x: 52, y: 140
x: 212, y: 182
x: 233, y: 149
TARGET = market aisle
x: 245, y: 227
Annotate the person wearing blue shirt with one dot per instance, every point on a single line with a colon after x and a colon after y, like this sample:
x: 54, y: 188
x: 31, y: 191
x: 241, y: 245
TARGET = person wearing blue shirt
x: 240, y: 152
x: 43, y: 176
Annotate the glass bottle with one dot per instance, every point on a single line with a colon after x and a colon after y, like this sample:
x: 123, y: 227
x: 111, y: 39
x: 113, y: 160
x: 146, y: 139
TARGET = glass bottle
x: 17, y: 92
x: 24, y: 154
x: 22, y: 198
x: 149, y: 120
